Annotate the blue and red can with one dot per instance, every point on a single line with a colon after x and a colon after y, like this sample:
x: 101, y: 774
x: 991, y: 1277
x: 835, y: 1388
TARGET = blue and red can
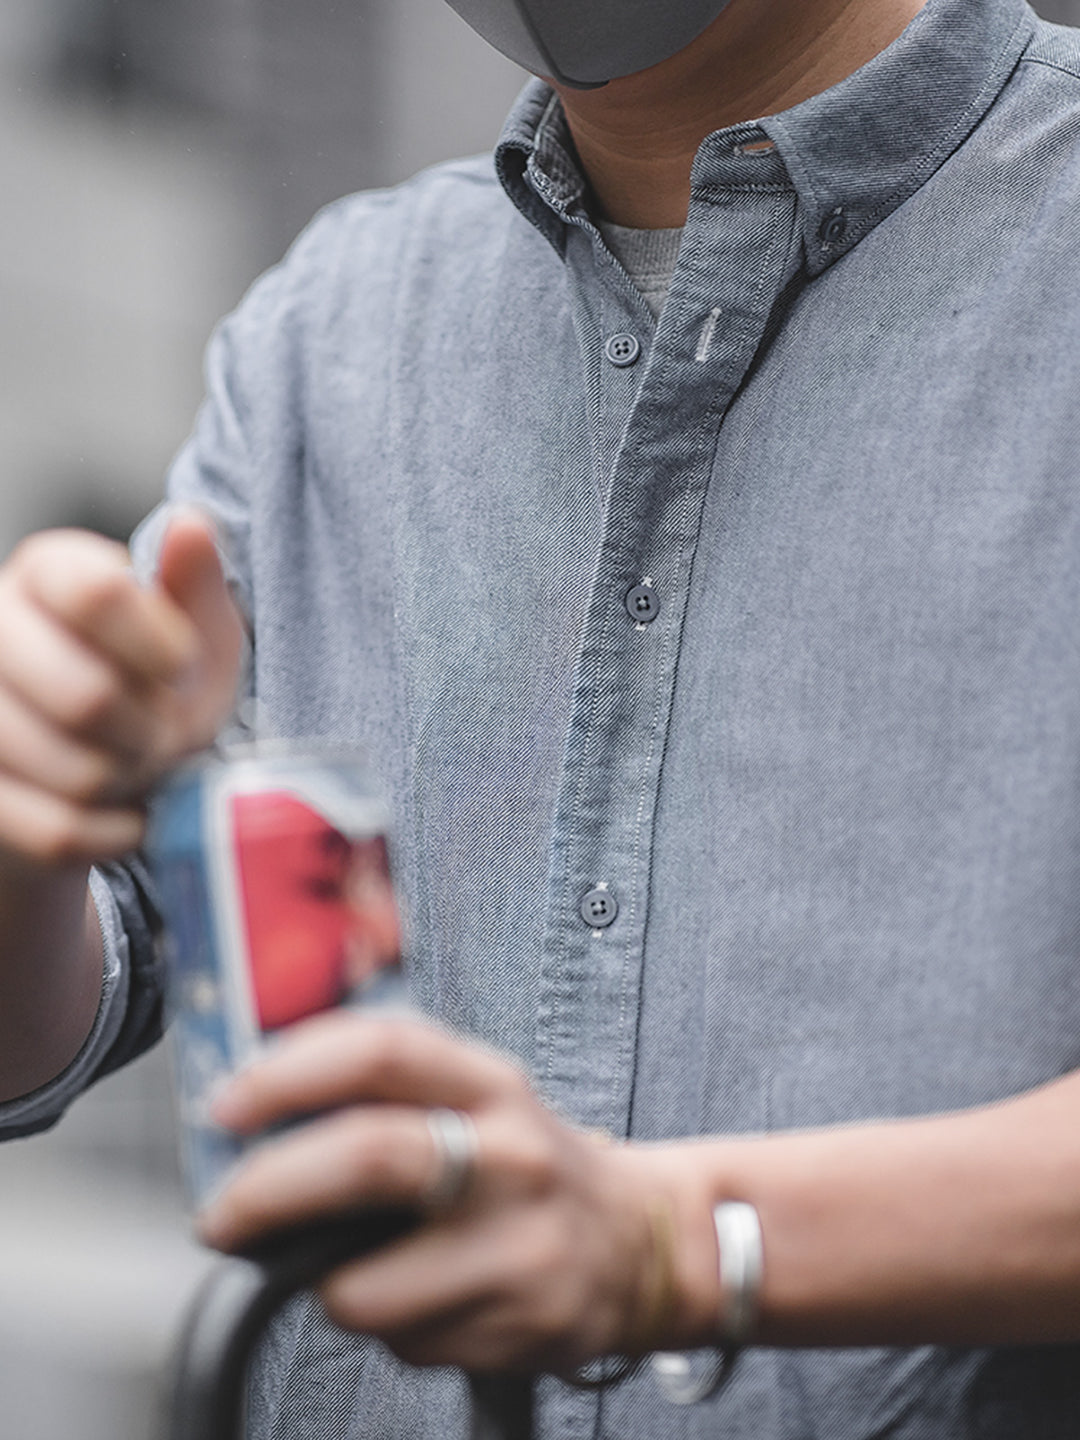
x: 273, y: 872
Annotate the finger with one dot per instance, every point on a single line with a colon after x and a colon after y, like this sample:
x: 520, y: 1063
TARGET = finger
x: 190, y: 575
x: 74, y: 688
x: 491, y: 1286
x: 507, y: 1293
x: 44, y: 757
x: 363, y: 1156
x: 341, y: 1164
x: 91, y: 590
x: 342, y: 1058
x: 422, y: 1294
x: 52, y: 831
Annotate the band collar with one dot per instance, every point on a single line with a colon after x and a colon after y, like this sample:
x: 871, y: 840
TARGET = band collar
x: 853, y: 153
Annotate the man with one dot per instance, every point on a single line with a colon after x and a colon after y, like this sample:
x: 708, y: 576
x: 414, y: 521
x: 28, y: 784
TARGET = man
x: 722, y: 669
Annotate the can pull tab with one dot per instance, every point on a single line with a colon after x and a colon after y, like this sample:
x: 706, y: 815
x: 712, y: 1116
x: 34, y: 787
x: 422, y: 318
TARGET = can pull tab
x: 241, y: 1296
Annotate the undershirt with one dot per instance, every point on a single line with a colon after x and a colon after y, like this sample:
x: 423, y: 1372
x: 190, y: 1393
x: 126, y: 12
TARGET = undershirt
x: 647, y: 256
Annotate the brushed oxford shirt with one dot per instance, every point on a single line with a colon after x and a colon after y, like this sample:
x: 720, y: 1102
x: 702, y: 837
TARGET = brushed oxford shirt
x: 724, y: 671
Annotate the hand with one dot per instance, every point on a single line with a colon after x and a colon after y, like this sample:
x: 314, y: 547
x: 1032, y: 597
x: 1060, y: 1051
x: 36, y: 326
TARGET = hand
x: 104, y: 685
x: 546, y: 1260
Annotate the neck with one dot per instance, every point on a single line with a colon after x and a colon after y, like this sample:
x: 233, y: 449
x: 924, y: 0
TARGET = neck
x: 637, y: 137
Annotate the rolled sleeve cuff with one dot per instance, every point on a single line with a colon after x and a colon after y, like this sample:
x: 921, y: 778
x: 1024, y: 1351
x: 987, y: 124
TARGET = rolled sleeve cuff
x: 43, y: 1107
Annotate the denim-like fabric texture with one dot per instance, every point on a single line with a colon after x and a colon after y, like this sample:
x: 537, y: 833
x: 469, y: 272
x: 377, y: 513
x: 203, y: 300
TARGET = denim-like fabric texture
x: 832, y: 786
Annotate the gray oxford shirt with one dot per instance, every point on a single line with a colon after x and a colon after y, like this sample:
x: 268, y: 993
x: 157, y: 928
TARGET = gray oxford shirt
x: 724, y: 672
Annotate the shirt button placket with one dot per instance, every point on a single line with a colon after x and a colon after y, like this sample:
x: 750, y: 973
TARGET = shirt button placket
x: 656, y: 441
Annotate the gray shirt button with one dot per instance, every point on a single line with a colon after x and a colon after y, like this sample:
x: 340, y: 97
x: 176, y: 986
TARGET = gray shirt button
x: 642, y: 604
x: 833, y: 227
x: 623, y: 350
x: 599, y: 908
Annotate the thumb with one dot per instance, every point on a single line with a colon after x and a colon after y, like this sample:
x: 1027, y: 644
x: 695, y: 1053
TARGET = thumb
x: 189, y: 568
x: 190, y: 574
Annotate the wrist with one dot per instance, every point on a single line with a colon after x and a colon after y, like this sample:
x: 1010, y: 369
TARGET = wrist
x: 719, y: 1298
x: 697, y: 1307
x: 718, y: 1260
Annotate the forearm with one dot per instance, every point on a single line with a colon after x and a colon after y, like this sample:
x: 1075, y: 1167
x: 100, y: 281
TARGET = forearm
x: 961, y: 1229
x: 51, y: 960
x: 105, y: 684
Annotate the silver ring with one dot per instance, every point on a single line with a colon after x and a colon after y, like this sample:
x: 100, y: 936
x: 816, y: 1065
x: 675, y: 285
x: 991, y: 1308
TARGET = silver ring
x: 456, y: 1146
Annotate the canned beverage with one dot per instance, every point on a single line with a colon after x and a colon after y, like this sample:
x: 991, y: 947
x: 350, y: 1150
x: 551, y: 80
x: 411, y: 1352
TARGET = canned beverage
x: 274, y: 879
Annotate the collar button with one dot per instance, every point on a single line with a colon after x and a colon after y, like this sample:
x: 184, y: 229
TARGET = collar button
x: 833, y: 227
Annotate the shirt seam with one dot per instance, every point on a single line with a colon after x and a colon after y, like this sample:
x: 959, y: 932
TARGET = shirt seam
x: 1050, y: 65
x: 713, y: 188
x: 992, y: 87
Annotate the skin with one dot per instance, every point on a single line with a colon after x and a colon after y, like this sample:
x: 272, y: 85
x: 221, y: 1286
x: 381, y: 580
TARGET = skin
x: 959, y: 1229
x: 637, y: 136
x: 104, y: 685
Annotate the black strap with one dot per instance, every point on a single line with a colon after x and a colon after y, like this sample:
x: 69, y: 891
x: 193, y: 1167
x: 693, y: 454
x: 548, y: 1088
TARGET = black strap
x: 241, y: 1296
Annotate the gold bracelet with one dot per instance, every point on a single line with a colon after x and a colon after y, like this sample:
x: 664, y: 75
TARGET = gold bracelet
x: 654, y: 1312
x: 658, y: 1299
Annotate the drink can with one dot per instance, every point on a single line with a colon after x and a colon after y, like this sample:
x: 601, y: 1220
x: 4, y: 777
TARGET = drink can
x: 273, y: 872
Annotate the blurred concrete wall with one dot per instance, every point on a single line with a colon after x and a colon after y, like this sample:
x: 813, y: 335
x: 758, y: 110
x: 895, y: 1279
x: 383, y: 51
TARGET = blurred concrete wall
x: 156, y: 154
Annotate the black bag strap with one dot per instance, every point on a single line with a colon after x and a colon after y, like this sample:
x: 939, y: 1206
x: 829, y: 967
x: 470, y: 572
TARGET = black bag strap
x: 241, y: 1296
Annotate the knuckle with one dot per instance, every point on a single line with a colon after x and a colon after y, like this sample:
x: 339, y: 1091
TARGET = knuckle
x: 516, y: 1082
x: 533, y: 1158
x: 30, y: 552
x: 67, y: 552
x: 168, y: 739
x: 338, y: 1293
x: 371, y: 1156
x: 332, y: 1296
x: 96, y: 596
x: 94, y: 778
x: 90, y: 703
x: 56, y: 838
x: 389, y: 1052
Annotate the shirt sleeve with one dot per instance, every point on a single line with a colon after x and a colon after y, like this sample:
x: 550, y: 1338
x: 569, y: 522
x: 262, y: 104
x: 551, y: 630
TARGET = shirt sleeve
x: 210, y: 472
x: 129, y: 1013
x: 254, y: 373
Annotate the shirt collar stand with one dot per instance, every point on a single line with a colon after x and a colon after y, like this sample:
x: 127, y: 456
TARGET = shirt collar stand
x: 853, y: 153
x: 537, y: 164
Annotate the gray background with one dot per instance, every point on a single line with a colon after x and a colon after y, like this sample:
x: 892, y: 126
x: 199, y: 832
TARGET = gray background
x: 155, y: 155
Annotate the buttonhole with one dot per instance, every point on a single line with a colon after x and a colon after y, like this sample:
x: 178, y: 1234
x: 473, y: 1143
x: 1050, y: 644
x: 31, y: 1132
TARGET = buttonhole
x: 755, y: 147
x: 708, y: 330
